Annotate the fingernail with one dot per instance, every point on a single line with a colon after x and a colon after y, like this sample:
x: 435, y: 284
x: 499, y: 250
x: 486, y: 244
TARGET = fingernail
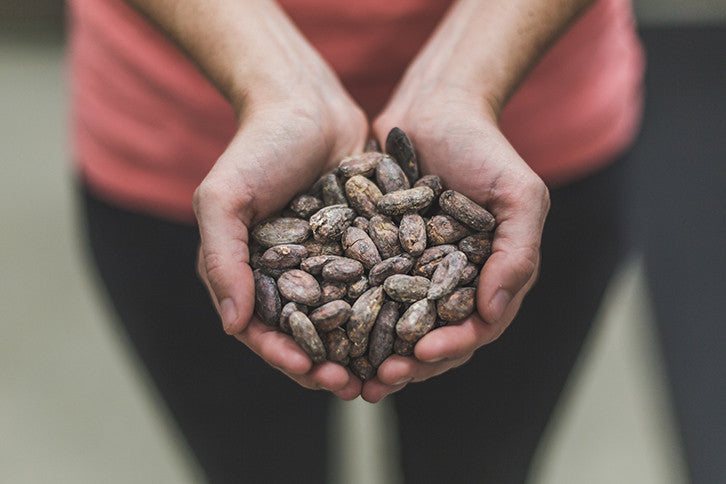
x: 403, y: 381
x: 499, y: 303
x: 229, y: 314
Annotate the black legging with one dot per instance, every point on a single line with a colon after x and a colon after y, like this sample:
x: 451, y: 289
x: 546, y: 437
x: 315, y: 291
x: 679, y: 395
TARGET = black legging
x: 246, y: 422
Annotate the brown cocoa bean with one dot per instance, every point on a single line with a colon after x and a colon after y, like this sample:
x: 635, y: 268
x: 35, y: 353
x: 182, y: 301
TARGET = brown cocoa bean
x: 358, y: 348
x: 412, y: 233
x: 477, y: 247
x: 331, y: 189
x: 357, y: 288
x: 342, y: 269
x: 390, y: 176
x: 281, y: 230
x: 330, y: 315
x: 361, y: 223
x: 402, y: 347
x: 267, y: 299
x: 315, y: 248
x: 400, y: 264
x: 283, y: 256
x: 364, y: 313
x: 372, y: 145
x: 383, y: 334
x: 363, y: 164
x: 300, y: 287
x: 431, y: 181
x: 287, y: 310
x: 406, y: 289
x: 304, y: 334
x: 444, y: 229
x: 337, y: 345
x: 426, y: 264
x: 359, y: 246
x: 470, y: 272
x: 466, y: 211
x: 314, y: 265
x: 400, y: 148
x: 332, y: 291
x: 305, y: 205
x: 418, y: 320
x: 362, y: 368
x: 447, y: 275
x: 363, y: 195
x: 329, y: 223
x: 384, y: 234
x: 458, y: 305
x: 405, y: 201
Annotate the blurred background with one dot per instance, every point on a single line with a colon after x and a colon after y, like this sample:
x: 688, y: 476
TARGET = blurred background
x: 645, y: 404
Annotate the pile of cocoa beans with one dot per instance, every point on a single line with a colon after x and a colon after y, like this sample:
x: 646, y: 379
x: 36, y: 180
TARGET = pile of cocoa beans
x: 363, y: 265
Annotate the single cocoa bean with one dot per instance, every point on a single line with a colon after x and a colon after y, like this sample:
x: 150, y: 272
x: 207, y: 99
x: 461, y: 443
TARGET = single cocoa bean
x: 332, y: 291
x: 364, y: 313
x: 363, y: 195
x: 406, y: 289
x: 329, y: 223
x: 466, y: 211
x: 287, y: 310
x: 305, y: 205
x: 357, y: 288
x: 337, y: 345
x: 447, y: 275
x: 362, y: 164
x: 389, y: 175
x: 383, y: 334
x: 359, y: 246
x: 400, y: 148
x: 402, y: 347
x: 470, y: 272
x: 405, y: 201
x: 477, y: 247
x: 384, y: 234
x: 362, y: 368
x: 426, y: 264
x: 281, y: 230
x: 342, y: 269
x: 457, y: 305
x: 330, y: 315
x: 304, y: 334
x: 314, y: 265
x: 431, y: 181
x: 331, y: 189
x: 361, y: 223
x: 283, y: 256
x: 300, y: 287
x: 418, y: 320
x: 444, y: 229
x: 267, y: 300
x: 358, y: 348
x: 400, y: 264
x: 412, y: 233
x: 315, y: 247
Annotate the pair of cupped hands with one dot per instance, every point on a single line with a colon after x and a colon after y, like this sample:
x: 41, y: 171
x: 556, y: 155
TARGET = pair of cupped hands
x: 290, y: 134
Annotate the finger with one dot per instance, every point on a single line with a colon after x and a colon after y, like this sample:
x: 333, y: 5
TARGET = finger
x: 351, y: 390
x: 276, y: 348
x: 374, y: 390
x: 454, y: 341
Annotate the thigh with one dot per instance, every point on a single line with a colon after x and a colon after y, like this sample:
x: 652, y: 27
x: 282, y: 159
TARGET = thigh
x: 482, y: 422
x: 244, y: 421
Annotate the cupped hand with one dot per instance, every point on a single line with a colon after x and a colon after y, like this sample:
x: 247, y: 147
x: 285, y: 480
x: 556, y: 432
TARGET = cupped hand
x: 281, y: 148
x: 456, y: 136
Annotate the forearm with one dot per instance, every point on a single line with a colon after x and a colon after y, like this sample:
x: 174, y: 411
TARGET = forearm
x: 485, y: 48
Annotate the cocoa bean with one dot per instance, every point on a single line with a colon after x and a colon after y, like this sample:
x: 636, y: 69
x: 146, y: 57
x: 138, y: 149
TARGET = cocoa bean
x: 314, y: 265
x: 357, y: 288
x: 364, y: 313
x: 362, y: 164
x: 359, y: 246
x: 300, y: 287
x: 466, y: 211
x: 383, y: 334
x: 304, y: 334
x: 458, y: 305
x: 329, y: 223
x: 283, y: 256
x: 332, y: 291
x: 331, y: 189
x: 389, y: 175
x: 470, y: 272
x: 315, y: 247
x: 418, y: 320
x: 384, y: 234
x: 444, y: 229
x: 267, y: 299
x: 372, y: 145
x: 406, y: 289
x: 400, y: 148
x: 447, y: 275
x: 358, y: 348
x: 281, y: 230
x: 399, y: 264
x: 405, y: 201
x: 477, y: 247
x: 337, y: 345
x: 287, y: 310
x: 412, y: 234
x: 431, y: 181
x: 305, y: 205
x: 363, y: 195
x: 426, y: 264
x: 342, y: 269
x: 402, y: 347
x: 361, y: 223
x: 330, y: 315
x: 362, y: 368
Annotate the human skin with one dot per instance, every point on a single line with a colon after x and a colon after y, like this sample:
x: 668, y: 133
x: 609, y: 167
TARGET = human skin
x: 296, y: 121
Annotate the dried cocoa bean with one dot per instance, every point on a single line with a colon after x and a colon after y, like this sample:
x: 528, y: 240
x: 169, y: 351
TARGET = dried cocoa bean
x: 363, y: 164
x: 431, y: 181
x: 400, y: 148
x: 444, y: 229
x: 405, y: 201
x: 364, y: 313
x: 329, y: 223
x: 330, y: 315
x: 357, y: 288
x: 470, y: 272
x: 390, y: 176
x: 457, y: 305
x: 359, y: 246
x: 384, y: 234
x: 447, y: 275
x: 361, y: 223
x: 283, y: 256
x: 477, y: 247
x: 287, y: 310
x: 342, y: 269
x: 426, y: 264
x: 363, y: 195
x: 402, y: 347
x: 400, y: 264
x: 304, y: 334
x: 315, y: 248
x: 383, y: 334
x: 300, y: 287
x: 331, y: 189
x: 362, y: 368
x: 305, y: 205
x: 281, y: 230
x: 332, y: 291
x: 372, y: 145
x: 466, y: 211
x: 412, y: 233
x: 267, y: 299
x: 358, y: 348
x: 406, y: 289
x: 314, y: 265
x: 418, y: 320
x: 337, y: 345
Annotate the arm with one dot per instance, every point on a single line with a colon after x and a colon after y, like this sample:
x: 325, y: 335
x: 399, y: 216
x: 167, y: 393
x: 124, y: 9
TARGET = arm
x: 295, y: 121
x: 449, y: 102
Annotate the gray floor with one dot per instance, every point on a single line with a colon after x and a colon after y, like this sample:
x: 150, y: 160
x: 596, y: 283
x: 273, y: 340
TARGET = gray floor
x: 75, y: 408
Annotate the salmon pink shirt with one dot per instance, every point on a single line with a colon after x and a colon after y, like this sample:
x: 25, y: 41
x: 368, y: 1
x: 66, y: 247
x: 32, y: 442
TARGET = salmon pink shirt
x: 147, y: 125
